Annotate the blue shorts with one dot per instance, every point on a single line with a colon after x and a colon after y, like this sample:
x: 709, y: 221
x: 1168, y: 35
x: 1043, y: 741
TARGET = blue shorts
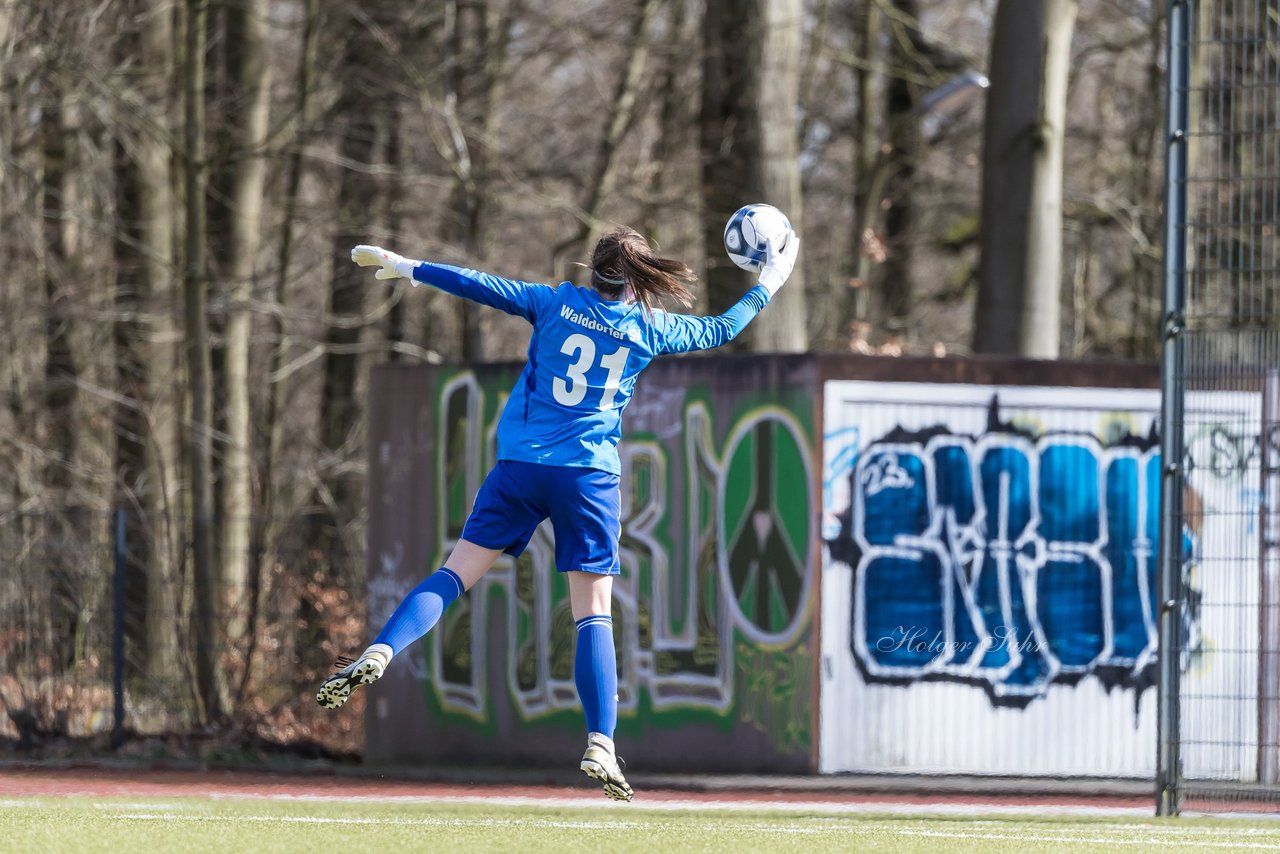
x: 583, y: 505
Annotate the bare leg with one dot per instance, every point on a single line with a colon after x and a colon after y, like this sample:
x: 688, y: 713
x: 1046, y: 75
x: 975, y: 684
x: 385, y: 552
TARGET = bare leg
x: 590, y: 594
x: 470, y: 562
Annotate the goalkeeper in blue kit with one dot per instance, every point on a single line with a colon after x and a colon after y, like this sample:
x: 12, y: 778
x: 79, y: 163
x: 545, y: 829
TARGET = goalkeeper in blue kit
x: 558, y: 448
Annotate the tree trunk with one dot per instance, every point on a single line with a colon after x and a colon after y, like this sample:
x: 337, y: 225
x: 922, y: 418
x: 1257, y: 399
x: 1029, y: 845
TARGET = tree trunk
x: 271, y: 520
x: 273, y: 425
x: 750, y: 86
x: 61, y: 372
x: 249, y: 89
x: 17, y: 479
x: 207, y: 634
x: 1021, y: 237
x: 355, y: 119
x: 783, y: 328
x: 466, y: 202
x: 897, y: 286
x: 356, y: 195
x: 146, y: 420
x: 674, y: 120
x: 476, y: 36
x: 395, y: 207
x: 729, y: 137
x: 868, y: 170
x: 1144, y: 274
x: 61, y: 375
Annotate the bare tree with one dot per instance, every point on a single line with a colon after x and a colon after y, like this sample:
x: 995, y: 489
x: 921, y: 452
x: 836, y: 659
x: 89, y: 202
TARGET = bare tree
x: 15, y: 191
x: 868, y: 172
x: 61, y: 373
x: 146, y: 423
x: 358, y: 111
x: 750, y: 86
x: 304, y: 111
x: 476, y: 37
x: 784, y: 328
x: 1020, y: 279
x: 729, y: 137
x: 620, y: 115
x: 675, y: 116
x: 207, y: 630
x: 248, y: 84
x: 907, y: 51
x: 395, y: 198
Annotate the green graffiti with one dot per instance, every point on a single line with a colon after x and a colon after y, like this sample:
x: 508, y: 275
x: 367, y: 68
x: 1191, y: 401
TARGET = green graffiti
x: 775, y: 696
x: 455, y: 634
x: 767, y: 517
x: 712, y: 608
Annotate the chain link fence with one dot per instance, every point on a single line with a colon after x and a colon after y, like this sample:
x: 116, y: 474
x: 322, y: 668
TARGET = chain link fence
x: 1219, y: 745
x: 97, y: 644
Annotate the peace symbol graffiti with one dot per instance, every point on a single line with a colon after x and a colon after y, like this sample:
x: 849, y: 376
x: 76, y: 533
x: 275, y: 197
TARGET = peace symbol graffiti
x: 766, y: 520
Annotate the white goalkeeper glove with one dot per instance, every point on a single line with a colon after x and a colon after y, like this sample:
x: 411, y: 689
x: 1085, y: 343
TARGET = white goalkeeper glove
x: 779, y: 264
x: 393, y: 266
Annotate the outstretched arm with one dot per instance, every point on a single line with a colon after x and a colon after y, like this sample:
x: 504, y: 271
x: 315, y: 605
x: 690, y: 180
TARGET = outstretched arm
x: 523, y: 299
x: 683, y: 333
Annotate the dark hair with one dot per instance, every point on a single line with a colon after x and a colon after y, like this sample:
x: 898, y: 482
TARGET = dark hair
x: 623, y: 257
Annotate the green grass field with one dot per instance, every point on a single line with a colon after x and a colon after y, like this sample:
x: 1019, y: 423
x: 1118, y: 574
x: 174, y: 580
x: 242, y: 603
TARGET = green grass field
x: 158, y: 826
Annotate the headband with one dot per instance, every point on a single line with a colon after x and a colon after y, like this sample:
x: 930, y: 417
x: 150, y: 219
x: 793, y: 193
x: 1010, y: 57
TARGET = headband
x: 610, y: 280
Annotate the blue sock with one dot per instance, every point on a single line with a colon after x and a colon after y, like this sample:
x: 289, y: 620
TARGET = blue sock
x: 595, y: 671
x: 420, y: 610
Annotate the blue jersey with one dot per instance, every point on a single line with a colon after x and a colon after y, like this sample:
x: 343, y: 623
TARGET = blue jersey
x: 584, y: 358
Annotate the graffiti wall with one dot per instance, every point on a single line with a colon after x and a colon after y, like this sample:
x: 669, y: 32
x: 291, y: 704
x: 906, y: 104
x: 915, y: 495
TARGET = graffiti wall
x: 713, y: 612
x: 844, y: 575
x: 989, y: 580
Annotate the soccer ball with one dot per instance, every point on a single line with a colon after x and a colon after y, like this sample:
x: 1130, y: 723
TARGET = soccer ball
x: 749, y: 229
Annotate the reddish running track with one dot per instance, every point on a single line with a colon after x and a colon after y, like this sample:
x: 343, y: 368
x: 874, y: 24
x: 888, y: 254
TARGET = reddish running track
x: 93, y: 781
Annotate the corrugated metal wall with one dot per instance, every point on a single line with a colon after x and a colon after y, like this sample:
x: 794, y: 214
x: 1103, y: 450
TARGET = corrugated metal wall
x: 988, y: 592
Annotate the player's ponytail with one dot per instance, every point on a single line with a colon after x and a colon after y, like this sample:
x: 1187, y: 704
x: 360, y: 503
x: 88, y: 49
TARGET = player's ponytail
x: 623, y: 259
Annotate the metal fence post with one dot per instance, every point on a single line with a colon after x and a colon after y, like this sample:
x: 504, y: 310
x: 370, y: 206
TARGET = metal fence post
x: 1269, y: 586
x: 1168, y: 760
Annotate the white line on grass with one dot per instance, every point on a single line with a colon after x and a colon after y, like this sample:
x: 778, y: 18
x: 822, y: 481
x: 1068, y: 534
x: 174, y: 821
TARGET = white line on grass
x: 830, y: 807
x: 140, y: 805
x: 1100, y: 840
x: 392, y: 822
x: 1171, y: 827
x: 855, y: 830
x: 893, y: 809
x: 559, y: 824
x: 981, y: 813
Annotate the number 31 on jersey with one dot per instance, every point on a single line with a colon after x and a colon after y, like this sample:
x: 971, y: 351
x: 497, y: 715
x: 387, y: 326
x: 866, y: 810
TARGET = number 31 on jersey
x: 571, y: 390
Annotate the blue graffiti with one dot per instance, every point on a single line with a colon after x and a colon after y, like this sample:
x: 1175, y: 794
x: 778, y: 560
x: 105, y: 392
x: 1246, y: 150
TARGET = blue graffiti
x: 1006, y: 560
